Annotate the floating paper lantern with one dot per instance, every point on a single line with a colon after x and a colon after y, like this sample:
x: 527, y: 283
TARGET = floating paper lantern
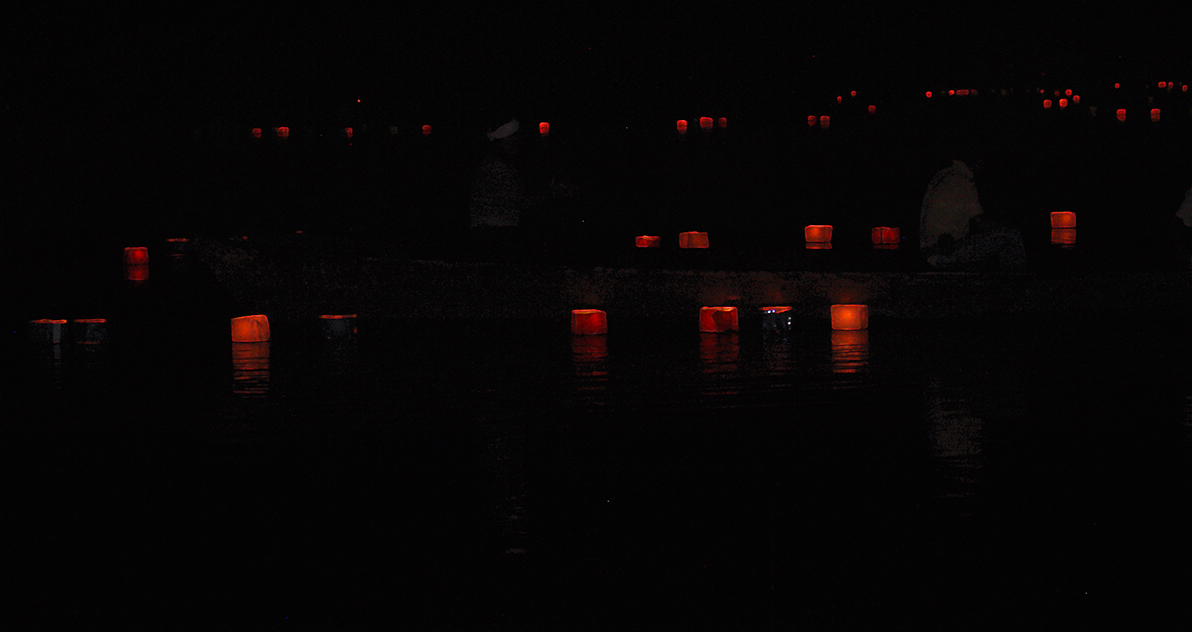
x: 681, y: 126
x: 256, y: 132
x: 872, y: 109
x: 811, y: 121
x: 426, y: 130
x: 722, y: 122
x: 714, y: 320
x: 282, y: 132
x: 1063, y: 236
x: 951, y: 93
x: 818, y: 233
x: 1063, y: 103
x: 1046, y: 104
x: 589, y: 322
x: 776, y: 318
x: 693, y: 240
x: 348, y: 132
x: 850, y: 317
x: 705, y: 123
x: 928, y: 94
x: 1162, y: 84
x: 46, y: 330
x: 1068, y: 92
x: 648, y: 241
x: 884, y: 236
x: 839, y: 99
x: 1184, y: 87
x: 825, y: 121
x: 1076, y: 99
x: 136, y: 255
x: 337, y: 326
x: 1121, y: 115
x: 962, y: 93
x: 852, y: 93
x: 544, y: 128
x: 1116, y: 86
x: 1063, y: 219
x: 1155, y: 115
x: 253, y: 328
x: 90, y: 331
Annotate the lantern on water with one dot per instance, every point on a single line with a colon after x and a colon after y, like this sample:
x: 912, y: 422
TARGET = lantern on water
x: 589, y: 322
x: 136, y: 255
x: 776, y: 318
x: 714, y: 320
x: 1068, y: 92
x: 648, y: 241
x: 1046, y: 104
x: 850, y: 317
x: 46, y: 330
x: 1116, y: 86
x: 693, y: 240
x: 872, y: 109
x: 1063, y: 236
x: 256, y: 132
x: 839, y: 99
x: 253, y: 328
x: 1121, y: 115
x: 1155, y: 115
x: 951, y: 93
x: 282, y: 132
x: 1184, y: 87
x: 818, y: 233
x: 722, y: 122
x: 681, y: 126
x: 962, y: 93
x: 90, y: 331
x: 1162, y: 84
x: 825, y: 121
x: 1063, y: 103
x: 544, y: 128
x: 1076, y: 99
x: 885, y: 236
x: 705, y: 123
x: 1063, y: 219
x: 337, y: 326
x: 426, y: 130
x: 852, y: 93
x: 928, y: 94
x: 811, y: 121
x: 348, y: 132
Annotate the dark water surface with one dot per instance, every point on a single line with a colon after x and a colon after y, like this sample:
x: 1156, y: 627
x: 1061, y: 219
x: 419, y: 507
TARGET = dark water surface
x: 470, y: 475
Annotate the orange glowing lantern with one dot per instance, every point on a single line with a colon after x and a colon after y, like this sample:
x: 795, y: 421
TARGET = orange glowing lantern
x: 776, y: 318
x: 1162, y: 84
x: 46, y: 330
x: 722, y: 122
x: 825, y: 121
x: 872, y: 109
x: 90, y: 331
x: 648, y: 241
x: 253, y: 328
x: 136, y: 256
x: 1068, y: 92
x: 885, y: 236
x: 951, y: 93
x: 1063, y: 103
x: 928, y: 94
x: 1121, y: 115
x: 1076, y: 99
x: 962, y: 93
x: 1155, y: 115
x: 693, y: 240
x: 1184, y: 88
x: 850, y: 317
x: 544, y: 128
x: 1046, y: 104
x: 714, y: 320
x: 1063, y: 236
x: 589, y: 322
x: 705, y: 123
x: 426, y: 130
x: 337, y: 326
x: 818, y: 233
x: 1117, y: 86
x: 681, y: 126
x: 1063, y: 219
x: 282, y: 132
x: 811, y: 121
x: 256, y: 132
x: 839, y: 99
x: 348, y: 132
x: 852, y: 93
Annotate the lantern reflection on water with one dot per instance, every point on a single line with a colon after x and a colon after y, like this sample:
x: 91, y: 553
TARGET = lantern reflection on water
x: 1121, y: 115
x: 714, y: 320
x: 250, y: 368
x: 850, y: 351
x: 648, y: 241
x: 90, y: 331
x: 544, y: 128
x: 719, y: 352
x: 776, y: 318
x: 337, y: 326
x: 1063, y: 219
x: 693, y: 240
x: 885, y: 236
x: 850, y: 317
x: 589, y: 322
x: 253, y: 328
x: 586, y: 349
x: 46, y: 330
x: 1155, y: 115
x: 136, y: 273
x: 1063, y: 236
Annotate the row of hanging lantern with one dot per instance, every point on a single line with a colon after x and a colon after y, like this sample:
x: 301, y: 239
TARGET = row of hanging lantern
x: 725, y: 318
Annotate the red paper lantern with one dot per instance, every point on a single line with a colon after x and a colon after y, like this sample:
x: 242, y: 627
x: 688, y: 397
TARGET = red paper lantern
x: 1063, y: 103
x: 825, y: 121
x: 714, y: 320
x: 1184, y: 87
x: 705, y: 123
x: 850, y: 317
x: 253, y: 328
x: 348, y: 132
x: 872, y: 109
x: 1116, y: 86
x: 1046, y: 104
x: 589, y: 322
x: 884, y: 236
x: 722, y: 122
x: 1162, y: 84
x: 1068, y: 92
x: 1063, y: 236
x: 282, y: 132
x: 1155, y: 115
x: 1076, y: 99
x: 136, y: 255
x: 1121, y: 115
x: 544, y: 128
x: 818, y: 233
x: 839, y: 100
x: 256, y: 132
x: 1063, y: 219
x: 426, y: 130
x: 693, y: 240
x: 962, y: 93
x: 852, y: 93
x: 951, y: 93
x: 928, y: 94
x: 648, y: 241
x: 681, y: 125
x: 811, y: 121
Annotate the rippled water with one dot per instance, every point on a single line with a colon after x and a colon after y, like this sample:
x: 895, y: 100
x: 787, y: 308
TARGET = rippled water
x: 919, y: 475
